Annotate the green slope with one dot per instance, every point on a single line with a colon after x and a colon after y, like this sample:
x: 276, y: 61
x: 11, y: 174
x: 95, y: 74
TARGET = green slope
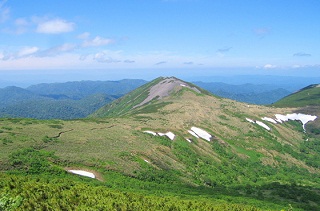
x: 308, y: 96
x: 243, y: 165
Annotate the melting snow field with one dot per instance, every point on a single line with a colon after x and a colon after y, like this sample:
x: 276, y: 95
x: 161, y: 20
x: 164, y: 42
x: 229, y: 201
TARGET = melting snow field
x: 83, y: 173
x: 201, y: 133
x: 304, y: 118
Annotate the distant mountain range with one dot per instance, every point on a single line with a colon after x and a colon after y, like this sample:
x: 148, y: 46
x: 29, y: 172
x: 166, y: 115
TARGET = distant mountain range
x: 72, y: 100
x: 250, y: 93
x: 62, y: 100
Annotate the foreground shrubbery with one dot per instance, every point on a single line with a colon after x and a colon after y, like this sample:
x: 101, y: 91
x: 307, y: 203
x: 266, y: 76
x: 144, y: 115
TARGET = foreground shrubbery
x: 30, y: 193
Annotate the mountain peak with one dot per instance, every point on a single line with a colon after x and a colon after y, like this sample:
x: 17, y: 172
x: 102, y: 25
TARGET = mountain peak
x: 163, y: 89
x: 157, y: 89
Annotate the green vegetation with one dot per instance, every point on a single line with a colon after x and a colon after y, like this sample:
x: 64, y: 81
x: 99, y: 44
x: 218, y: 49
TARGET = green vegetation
x: 305, y: 97
x: 243, y: 167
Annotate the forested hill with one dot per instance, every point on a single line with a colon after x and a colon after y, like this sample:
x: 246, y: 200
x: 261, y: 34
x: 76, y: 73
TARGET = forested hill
x: 80, y: 89
x: 68, y: 100
x: 261, y: 94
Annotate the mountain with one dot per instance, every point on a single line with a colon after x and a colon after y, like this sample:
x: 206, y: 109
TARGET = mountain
x: 80, y: 89
x: 68, y: 100
x: 261, y: 94
x: 307, y: 100
x: 145, y: 95
x: 307, y: 96
x: 167, y: 139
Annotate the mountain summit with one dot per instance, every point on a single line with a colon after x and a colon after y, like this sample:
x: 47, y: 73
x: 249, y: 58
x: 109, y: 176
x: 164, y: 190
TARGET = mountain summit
x: 158, y: 89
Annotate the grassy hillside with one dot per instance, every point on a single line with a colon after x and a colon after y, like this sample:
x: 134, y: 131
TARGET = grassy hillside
x: 307, y: 96
x: 243, y: 167
x: 306, y: 100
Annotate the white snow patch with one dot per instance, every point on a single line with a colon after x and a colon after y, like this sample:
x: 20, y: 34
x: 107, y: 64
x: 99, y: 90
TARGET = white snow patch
x: 250, y: 120
x: 193, y: 133
x: 150, y: 132
x: 183, y: 85
x: 146, y: 161
x: 83, y: 173
x: 269, y: 120
x: 263, y: 125
x: 201, y: 133
x: 169, y: 134
x: 304, y: 118
x: 189, y: 140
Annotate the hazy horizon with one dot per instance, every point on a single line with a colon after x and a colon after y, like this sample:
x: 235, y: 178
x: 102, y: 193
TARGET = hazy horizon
x: 55, y: 41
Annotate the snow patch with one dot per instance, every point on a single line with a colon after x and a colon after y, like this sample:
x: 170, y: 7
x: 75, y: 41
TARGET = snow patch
x: 250, y: 120
x: 146, y: 161
x: 169, y: 134
x: 269, y: 120
x: 304, y: 118
x: 189, y: 140
x: 193, y: 133
x: 183, y: 85
x: 150, y: 132
x: 201, y: 133
x: 263, y: 125
x: 83, y: 173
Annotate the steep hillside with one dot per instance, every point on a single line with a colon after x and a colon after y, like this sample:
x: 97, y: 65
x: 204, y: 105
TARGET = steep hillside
x: 171, y: 138
x: 307, y: 96
x: 306, y: 100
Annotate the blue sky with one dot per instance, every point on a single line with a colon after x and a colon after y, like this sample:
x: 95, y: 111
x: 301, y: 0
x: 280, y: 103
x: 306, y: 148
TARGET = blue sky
x: 136, y: 38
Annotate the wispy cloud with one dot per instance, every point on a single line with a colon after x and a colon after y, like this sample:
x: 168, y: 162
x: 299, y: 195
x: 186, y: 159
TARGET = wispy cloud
x: 55, y: 26
x: 160, y: 63
x: 261, y: 32
x: 102, y: 57
x: 129, y: 61
x: 54, y: 51
x: 224, y: 50
x: 302, y: 54
x: 4, y: 11
x: 188, y: 63
x: 97, y: 41
x: 269, y: 66
x: 27, y: 51
x: 84, y: 36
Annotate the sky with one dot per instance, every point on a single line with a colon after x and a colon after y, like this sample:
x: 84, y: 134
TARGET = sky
x: 116, y: 39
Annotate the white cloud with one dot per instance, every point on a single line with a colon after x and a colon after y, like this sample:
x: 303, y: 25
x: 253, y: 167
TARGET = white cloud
x: 27, y: 51
x: 84, y: 36
x: 4, y: 12
x: 269, y: 66
x: 102, y: 57
x: 97, y: 41
x: 54, y: 51
x: 55, y: 26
